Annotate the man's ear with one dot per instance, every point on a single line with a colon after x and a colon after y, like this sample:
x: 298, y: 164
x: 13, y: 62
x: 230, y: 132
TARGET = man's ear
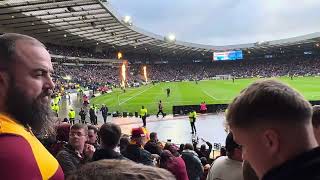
x: 316, y: 131
x: 271, y: 141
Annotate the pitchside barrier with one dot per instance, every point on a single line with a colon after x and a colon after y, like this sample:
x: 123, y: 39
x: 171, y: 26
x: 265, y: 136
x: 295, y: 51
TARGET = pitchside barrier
x: 184, y: 110
x: 211, y: 108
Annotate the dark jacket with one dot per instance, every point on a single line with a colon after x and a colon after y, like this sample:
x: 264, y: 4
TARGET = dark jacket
x: 205, y: 153
x: 106, y: 154
x: 69, y: 160
x: 193, y: 164
x: 137, y: 154
x: 92, y: 113
x: 303, y: 167
x: 96, y: 145
x: 153, y: 147
x: 83, y: 114
x: 104, y: 111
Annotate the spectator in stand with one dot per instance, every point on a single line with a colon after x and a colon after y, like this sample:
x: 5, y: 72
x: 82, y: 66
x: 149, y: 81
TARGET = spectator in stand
x: 268, y: 118
x: 62, y: 138
x: 223, y: 151
x: 316, y: 122
x: 181, y: 148
x: 76, y: 152
x: 228, y: 167
x: 25, y: 90
x: 193, y: 163
x: 135, y: 151
x: 206, y: 167
x: 174, y: 164
x: 172, y: 148
x: 120, y: 170
x: 124, y: 142
x: 109, y: 137
x: 152, y: 145
x: 203, y: 151
x: 93, y: 136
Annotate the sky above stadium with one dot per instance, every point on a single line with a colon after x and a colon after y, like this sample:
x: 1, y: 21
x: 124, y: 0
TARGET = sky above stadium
x: 223, y: 22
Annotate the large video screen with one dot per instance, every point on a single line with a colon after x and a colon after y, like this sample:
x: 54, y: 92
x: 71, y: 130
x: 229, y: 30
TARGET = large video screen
x: 228, y: 55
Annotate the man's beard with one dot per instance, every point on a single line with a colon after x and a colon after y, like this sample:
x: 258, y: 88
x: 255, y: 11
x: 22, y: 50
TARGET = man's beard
x: 36, y: 114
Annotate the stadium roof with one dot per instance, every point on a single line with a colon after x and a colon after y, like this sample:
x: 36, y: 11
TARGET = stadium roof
x: 90, y: 23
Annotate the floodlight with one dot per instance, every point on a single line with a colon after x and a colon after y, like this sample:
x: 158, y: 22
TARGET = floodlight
x: 170, y: 38
x: 127, y: 20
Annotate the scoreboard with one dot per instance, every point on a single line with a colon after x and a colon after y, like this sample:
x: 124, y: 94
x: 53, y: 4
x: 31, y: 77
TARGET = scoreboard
x: 227, y: 55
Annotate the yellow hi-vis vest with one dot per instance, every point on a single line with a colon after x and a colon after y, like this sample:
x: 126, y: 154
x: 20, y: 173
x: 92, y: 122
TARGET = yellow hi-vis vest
x: 192, y: 116
x: 55, y: 108
x: 72, y: 114
x: 143, y: 112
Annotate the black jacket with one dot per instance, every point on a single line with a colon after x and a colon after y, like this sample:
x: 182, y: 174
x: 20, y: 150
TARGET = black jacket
x: 106, y: 154
x: 193, y: 164
x: 303, y: 167
x: 82, y: 114
x: 92, y: 113
x: 153, y: 147
x: 139, y: 155
x: 205, y: 153
x: 69, y: 160
x: 104, y: 111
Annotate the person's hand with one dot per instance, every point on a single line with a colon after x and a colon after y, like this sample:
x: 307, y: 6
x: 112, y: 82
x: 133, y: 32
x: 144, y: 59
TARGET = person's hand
x: 89, y: 150
x: 155, y: 156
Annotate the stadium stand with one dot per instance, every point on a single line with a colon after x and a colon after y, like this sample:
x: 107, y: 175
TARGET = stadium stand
x: 94, y: 75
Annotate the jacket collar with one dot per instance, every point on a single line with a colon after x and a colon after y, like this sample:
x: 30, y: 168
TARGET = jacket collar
x: 296, y: 167
x: 190, y: 151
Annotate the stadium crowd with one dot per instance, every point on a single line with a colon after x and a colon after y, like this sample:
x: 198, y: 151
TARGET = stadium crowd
x: 73, y: 150
x: 238, y: 69
x: 87, y: 76
x: 94, y: 75
x: 77, y: 52
x: 97, y: 75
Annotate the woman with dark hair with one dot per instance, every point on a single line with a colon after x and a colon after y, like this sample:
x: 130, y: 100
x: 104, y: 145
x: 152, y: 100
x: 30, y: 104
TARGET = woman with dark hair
x: 172, y: 148
x: 62, y: 138
x: 173, y: 164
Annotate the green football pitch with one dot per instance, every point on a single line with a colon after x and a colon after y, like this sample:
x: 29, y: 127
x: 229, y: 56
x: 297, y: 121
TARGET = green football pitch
x: 190, y: 93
